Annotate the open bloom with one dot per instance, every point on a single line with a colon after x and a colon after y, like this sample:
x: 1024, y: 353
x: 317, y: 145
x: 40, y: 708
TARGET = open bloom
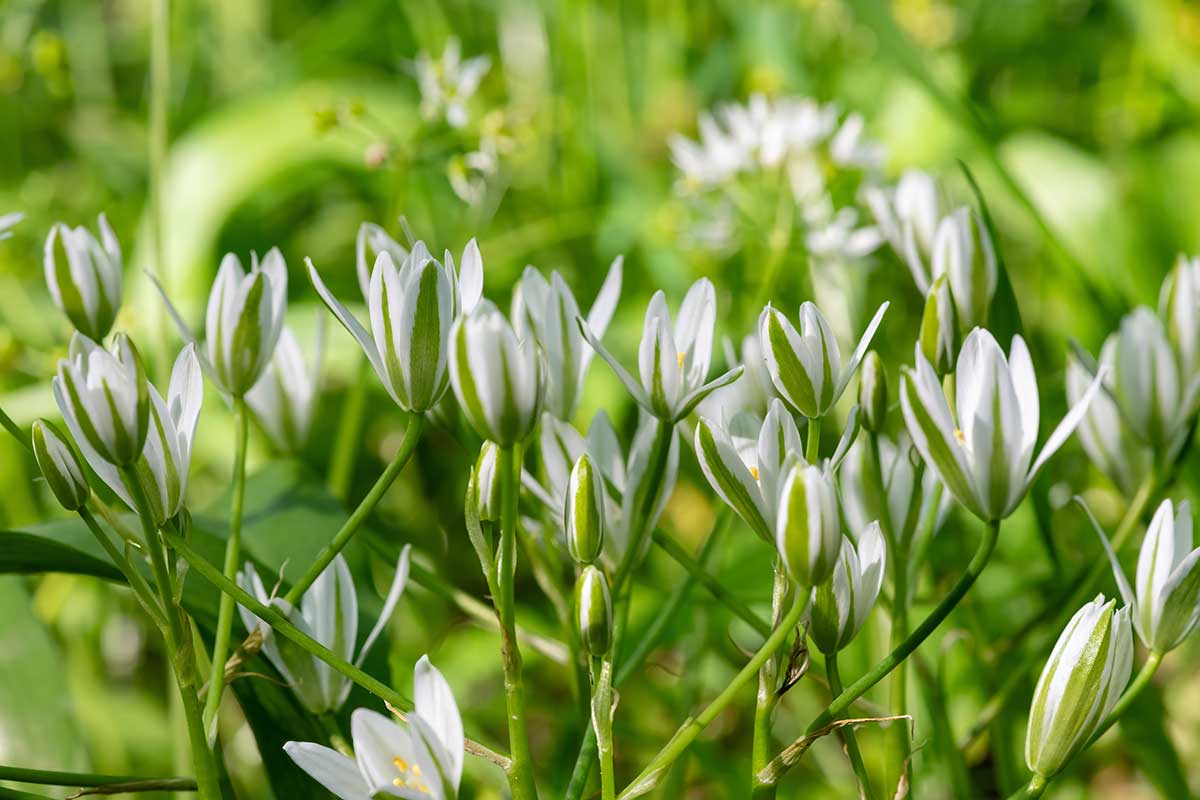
x: 1165, y: 597
x: 673, y: 357
x: 86, y: 283
x: 806, y: 365
x: 328, y: 613
x: 807, y: 531
x: 1087, y: 671
x: 243, y: 321
x: 104, y: 398
x: 447, y: 83
x: 412, y: 307
x: 841, y: 604
x: 1157, y: 400
x: 983, y: 453
x: 422, y: 760
x: 285, y: 396
x: 547, y: 311
x: 497, y: 376
x: 749, y: 477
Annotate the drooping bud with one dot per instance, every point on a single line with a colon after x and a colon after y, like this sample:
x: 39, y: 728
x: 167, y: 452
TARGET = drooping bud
x: 873, y: 393
x: 486, y: 486
x: 593, y: 611
x: 807, y: 533
x: 939, y: 337
x: 583, y: 518
x: 60, y: 466
x: 86, y: 282
x: 105, y: 398
x: 1080, y: 684
x: 841, y: 604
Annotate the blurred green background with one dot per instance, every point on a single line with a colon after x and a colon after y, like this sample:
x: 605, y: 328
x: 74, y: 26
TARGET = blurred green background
x: 290, y: 123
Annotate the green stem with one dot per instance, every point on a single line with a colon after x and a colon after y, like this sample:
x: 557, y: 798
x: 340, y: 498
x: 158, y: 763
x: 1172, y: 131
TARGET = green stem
x: 714, y: 587
x: 602, y: 709
x: 233, y: 554
x: 283, y: 627
x: 341, y: 463
x: 766, y: 700
x: 914, y: 639
x: 160, y: 96
x: 847, y: 734
x: 15, y: 430
x: 812, y: 449
x: 1032, y: 790
x: 135, y: 581
x: 643, y: 504
x: 351, y: 526
x: 46, y: 777
x: 336, y: 738
x: 1153, y: 660
x: 688, y: 732
x: 181, y: 651
x: 520, y: 773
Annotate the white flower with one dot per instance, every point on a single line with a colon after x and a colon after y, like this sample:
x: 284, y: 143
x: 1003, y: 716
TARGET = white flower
x: 908, y: 217
x: 1106, y: 437
x: 328, y: 613
x: 593, y: 611
x: 498, y: 377
x: 8, y: 222
x: 1165, y: 599
x: 166, y: 457
x: 86, y: 284
x: 59, y: 466
x: 984, y: 453
x: 104, y: 398
x: 1087, y: 671
x: 841, y: 604
x: 448, y: 83
x: 243, y: 322
x: 749, y: 477
x: 285, y: 396
x: 1179, y: 306
x: 806, y: 366
x: 412, y: 307
x: 469, y: 173
x: 940, y: 337
x: 673, y: 357
x: 963, y: 251
x: 1156, y: 400
x: 861, y: 493
x: 547, y: 311
x: 807, y: 532
x: 420, y: 761
x: 369, y: 242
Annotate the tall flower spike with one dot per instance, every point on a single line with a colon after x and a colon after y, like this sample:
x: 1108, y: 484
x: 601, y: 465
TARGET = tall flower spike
x: 841, y: 604
x: 285, y: 396
x: 963, y: 251
x: 497, y: 377
x: 165, y: 460
x: 104, y: 398
x: 1081, y: 682
x: 328, y: 613
x: 808, y: 535
x: 749, y: 478
x: 412, y: 307
x: 547, y: 310
x: 243, y: 322
x: 422, y: 760
x: 1165, y: 599
x: 86, y: 282
x: 674, y: 357
x: 1105, y: 435
x: 984, y: 452
x: 806, y: 366
x: 1155, y: 399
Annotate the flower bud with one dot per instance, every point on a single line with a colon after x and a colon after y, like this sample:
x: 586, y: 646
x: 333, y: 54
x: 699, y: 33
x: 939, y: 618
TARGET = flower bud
x: 486, y: 487
x: 807, y: 534
x: 873, y: 393
x: 1179, y: 305
x: 841, y: 604
x: 1155, y: 399
x: 939, y: 338
x: 104, y: 396
x: 1080, y: 684
x: 60, y: 466
x: 593, y: 611
x: 497, y: 377
x: 245, y: 319
x: 86, y: 282
x: 583, y: 518
x: 285, y: 396
x: 962, y: 250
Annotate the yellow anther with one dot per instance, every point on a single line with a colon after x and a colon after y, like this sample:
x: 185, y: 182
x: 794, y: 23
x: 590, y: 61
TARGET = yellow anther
x: 679, y: 358
x: 417, y: 770
x: 754, y: 472
x: 402, y: 765
x: 960, y: 436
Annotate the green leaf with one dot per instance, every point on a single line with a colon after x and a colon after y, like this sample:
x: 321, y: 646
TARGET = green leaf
x: 60, y: 546
x: 1144, y: 732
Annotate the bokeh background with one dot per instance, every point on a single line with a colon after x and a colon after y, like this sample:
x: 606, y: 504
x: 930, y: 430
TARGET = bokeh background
x: 292, y: 122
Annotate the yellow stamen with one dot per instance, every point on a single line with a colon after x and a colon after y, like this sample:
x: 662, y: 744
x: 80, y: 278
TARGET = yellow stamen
x: 417, y: 770
x: 401, y: 764
x: 960, y: 436
x: 680, y: 359
x: 754, y: 472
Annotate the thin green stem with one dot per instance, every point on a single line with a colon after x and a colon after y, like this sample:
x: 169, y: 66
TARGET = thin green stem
x: 233, y: 554
x: 1153, y: 661
x: 283, y: 627
x: 351, y: 525
x: 688, y: 732
x: 345, y: 448
x: 46, y: 777
x: 15, y: 430
x: 812, y: 448
x: 160, y: 96
x: 714, y: 587
x: 914, y: 640
x: 520, y: 773
x: 766, y: 700
x: 602, y: 708
x: 645, y: 498
x: 139, y: 587
x: 1032, y: 790
x: 847, y: 734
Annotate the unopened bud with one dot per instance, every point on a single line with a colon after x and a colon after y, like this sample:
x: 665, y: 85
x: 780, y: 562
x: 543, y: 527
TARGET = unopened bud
x: 60, y: 466
x: 873, y: 393
x: 583, y: 518
x: 939, y: 338
x: 486, y: 484
x: 593, y: 611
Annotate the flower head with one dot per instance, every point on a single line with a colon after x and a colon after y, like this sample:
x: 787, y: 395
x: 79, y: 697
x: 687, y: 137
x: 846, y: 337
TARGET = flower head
x: 1105, y: 435
x: 908, y: 217
x: 105, y: 398
x: 1157, y: 400
x: 85, y: 279
x: 841, y: 604
x: 807, y: 531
